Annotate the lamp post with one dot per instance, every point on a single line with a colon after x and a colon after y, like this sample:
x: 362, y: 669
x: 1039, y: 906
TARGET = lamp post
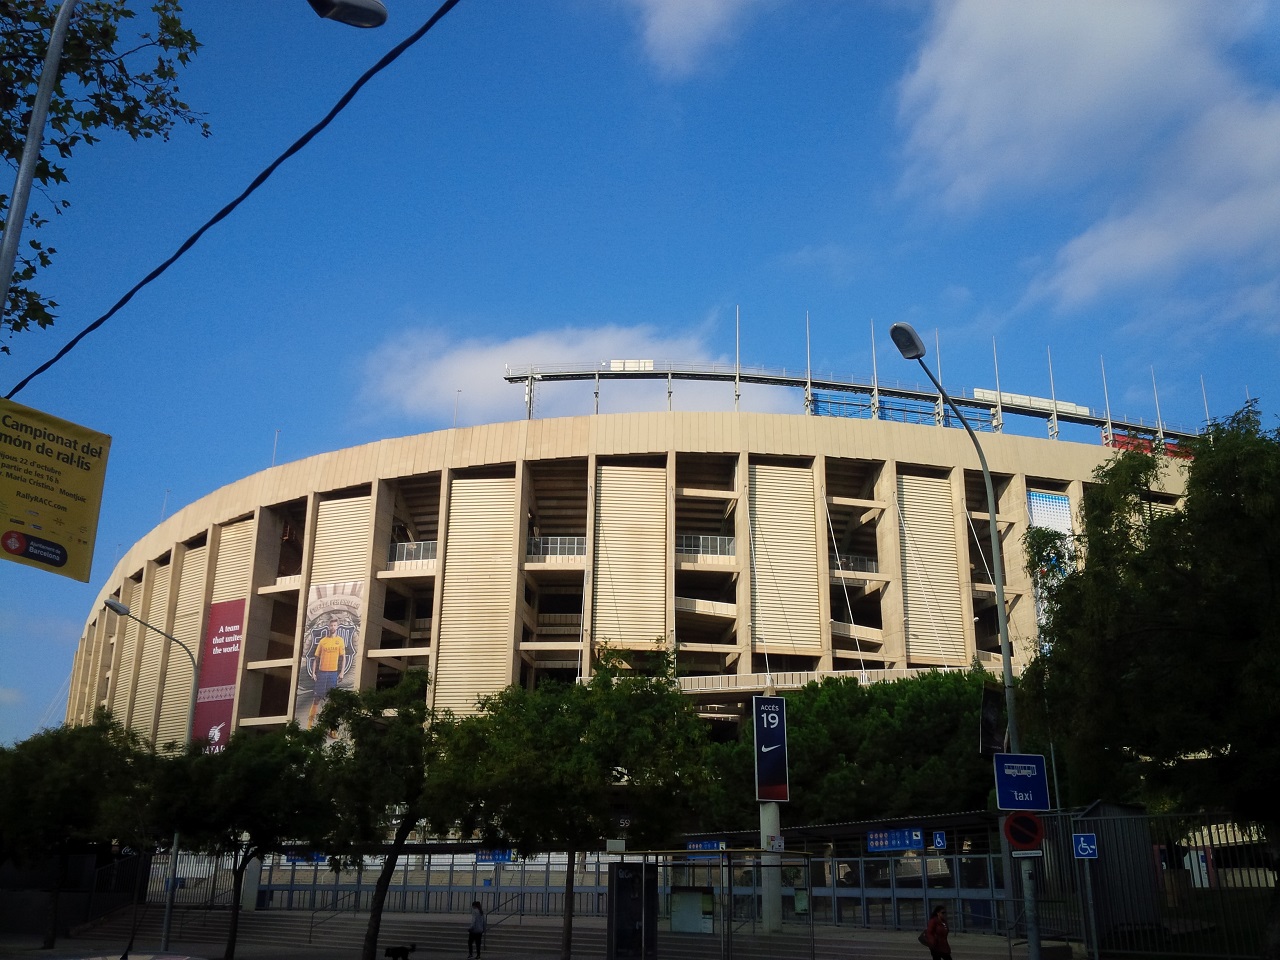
x: 912, y: 347
x: 356, y: 13
x: 118, y: 608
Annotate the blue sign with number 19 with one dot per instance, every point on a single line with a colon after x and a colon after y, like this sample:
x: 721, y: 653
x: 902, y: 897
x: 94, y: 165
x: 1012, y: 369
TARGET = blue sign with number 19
x: 772, y: 780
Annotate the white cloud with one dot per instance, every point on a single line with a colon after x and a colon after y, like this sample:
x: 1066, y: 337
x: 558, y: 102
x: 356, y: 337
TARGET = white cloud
x: 835, y: 261
x: 677, y: 33
x: 1217, y: 203
x: 1009, y: 94
x: 1138, y: 103
x: 419, y: 374
x: 10, y: 697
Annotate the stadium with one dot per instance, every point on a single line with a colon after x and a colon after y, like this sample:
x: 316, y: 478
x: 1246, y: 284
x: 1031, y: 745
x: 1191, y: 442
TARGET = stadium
x: 760, y: 547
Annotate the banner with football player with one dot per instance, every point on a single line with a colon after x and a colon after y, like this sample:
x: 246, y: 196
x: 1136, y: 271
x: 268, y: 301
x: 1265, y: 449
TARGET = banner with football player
x: 330, y: 642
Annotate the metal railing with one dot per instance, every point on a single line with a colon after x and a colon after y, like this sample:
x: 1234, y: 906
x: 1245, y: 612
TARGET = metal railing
x: 855, y: 564
x: 1159, y: 884
x: 412, y: 550
x: 1169, y: 885
x: 693, y: 545
x: 920, y: 396
x: 556, y: 547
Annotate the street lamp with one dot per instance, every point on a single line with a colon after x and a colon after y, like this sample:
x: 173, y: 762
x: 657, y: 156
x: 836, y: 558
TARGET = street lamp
x: 911, y: 347
x: 356, y: 13
x: 118, y: 608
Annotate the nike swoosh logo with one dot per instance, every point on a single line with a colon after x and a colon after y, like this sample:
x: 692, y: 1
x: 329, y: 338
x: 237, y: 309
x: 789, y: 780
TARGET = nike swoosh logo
x: 767, y: 749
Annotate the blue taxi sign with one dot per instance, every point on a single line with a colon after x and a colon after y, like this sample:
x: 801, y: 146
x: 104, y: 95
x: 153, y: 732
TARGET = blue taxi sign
x: 1021, y: 782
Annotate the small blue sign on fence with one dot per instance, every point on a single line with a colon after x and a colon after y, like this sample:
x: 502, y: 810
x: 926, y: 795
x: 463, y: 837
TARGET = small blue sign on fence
x: 1021, y: 782
x: 494, y: 856
x: 939, y: 840
x: 909, y: 838
x: 710, y: 849
x: 1085, y: 846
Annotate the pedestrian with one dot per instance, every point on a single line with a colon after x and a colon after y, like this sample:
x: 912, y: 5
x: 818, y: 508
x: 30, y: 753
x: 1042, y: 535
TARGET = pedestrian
x: 475, y: 932
x: 935, y: 934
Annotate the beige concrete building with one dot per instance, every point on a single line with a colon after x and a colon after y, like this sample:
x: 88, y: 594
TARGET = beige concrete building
x: 756, y: 544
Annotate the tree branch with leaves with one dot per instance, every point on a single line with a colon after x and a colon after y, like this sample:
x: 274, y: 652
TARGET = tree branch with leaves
x: 118, y: 73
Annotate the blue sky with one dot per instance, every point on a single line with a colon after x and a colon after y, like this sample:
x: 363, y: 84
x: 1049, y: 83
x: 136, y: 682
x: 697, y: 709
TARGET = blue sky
x: 578, y: 180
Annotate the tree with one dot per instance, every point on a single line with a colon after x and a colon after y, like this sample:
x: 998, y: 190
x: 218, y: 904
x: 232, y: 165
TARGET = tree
x: 1161, y: 648
x: 115, y: 75
x: 560, y: 767
x: 69, y: 788
x: 379, y: 778
x: 862, y: 751
x: 265, y: 791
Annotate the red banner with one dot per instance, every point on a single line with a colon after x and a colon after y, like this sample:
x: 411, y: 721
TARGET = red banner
x: 219, y: 668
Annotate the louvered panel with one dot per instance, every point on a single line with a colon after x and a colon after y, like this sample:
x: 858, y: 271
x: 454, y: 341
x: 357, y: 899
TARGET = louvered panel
x: 342, y: 541
x: 186, y: 627
x: 235, y: 556
x: 930, y: 570
x: 476, y: 636
x: 785, y: 606
x: 89, y: 671
x: 144, y: 698
x: 122, y: 666
x: 629, y: 596
x: 96, y: 691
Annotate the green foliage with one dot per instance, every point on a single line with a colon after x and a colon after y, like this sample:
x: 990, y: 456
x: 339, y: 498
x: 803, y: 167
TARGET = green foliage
x: 380, y: 777
x: 379, y: 763
x: 266, y: 790
x: 115, y: 75
x: 71, y: 786
x: 867, y: 751
x: 559, y: 767
x: 563, y: 767
x: 1162, y: 651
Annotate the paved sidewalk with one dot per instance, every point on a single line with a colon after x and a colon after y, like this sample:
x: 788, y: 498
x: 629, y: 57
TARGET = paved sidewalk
x: 856, y: 943
x: 90, y: 949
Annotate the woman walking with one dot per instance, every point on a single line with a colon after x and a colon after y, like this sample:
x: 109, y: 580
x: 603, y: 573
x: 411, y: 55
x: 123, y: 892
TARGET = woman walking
x: 475, y: 932
x: 935, y: 934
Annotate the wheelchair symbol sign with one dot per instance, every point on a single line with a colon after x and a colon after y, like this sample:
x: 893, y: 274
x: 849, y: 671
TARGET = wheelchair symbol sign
x: 939, y: 840
x: 1085, y: 845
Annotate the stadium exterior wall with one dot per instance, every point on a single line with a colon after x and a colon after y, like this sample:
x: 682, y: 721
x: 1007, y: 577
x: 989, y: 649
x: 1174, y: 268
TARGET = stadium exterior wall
x: 793, y: 546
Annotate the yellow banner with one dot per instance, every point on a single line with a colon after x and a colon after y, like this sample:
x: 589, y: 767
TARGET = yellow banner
x: 51, y: 476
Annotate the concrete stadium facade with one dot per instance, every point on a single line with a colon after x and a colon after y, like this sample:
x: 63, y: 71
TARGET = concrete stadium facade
x: 756, y: 544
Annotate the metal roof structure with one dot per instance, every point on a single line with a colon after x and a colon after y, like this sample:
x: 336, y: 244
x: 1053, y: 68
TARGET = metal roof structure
x: 876, y: 398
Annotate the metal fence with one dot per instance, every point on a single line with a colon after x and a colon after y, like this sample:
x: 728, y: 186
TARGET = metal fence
x: 412, y: 551
x: 199, y: 881
x: 556, y: 547
x: 1160, y: 886
x: 893, y: 892
x: 1173, y: 885
x: 854, y: 563
x: 695, y: 545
